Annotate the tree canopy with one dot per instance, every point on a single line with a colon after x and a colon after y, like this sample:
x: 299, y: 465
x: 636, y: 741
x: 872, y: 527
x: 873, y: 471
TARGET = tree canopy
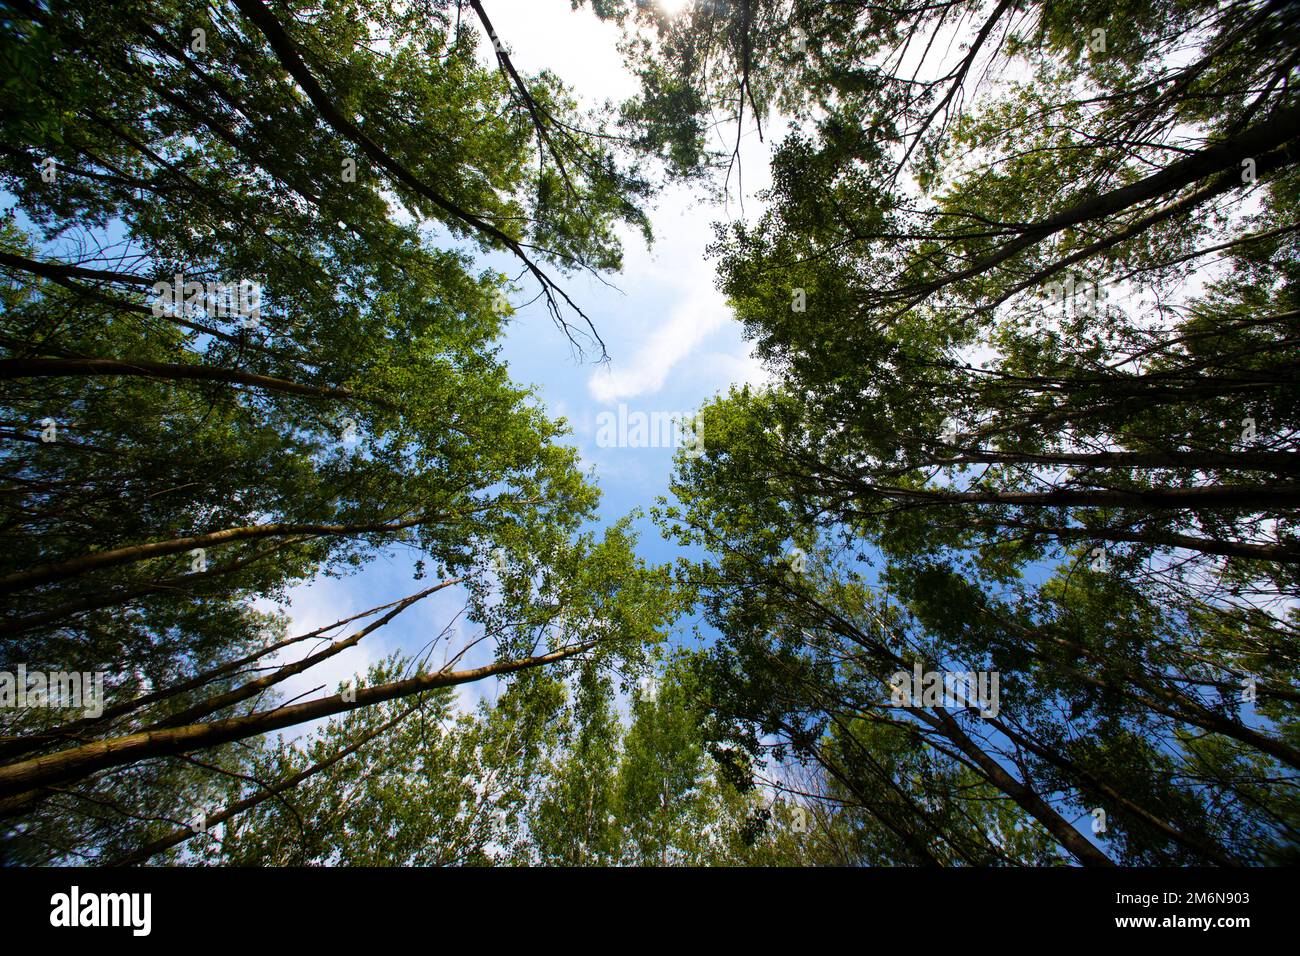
x: 1032, y: 313
x: 1025, y: 283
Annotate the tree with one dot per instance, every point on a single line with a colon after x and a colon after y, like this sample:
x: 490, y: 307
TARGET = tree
x: 232, y: 364
x: 548, y: 773
x: 997, y: 380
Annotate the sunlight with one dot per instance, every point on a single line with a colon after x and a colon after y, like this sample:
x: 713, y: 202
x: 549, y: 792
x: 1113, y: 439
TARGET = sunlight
x: 674, y: 7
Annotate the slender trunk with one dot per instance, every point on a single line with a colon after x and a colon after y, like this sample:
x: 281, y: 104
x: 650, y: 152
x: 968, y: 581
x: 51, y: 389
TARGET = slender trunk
x: 102, y: 600
x: 61, y: 270
x: 1263, y: 137
x: 1251, y: 497
x: 1170, y: 703
x: 943, y: 723
x: 1202, y: 847
x: 1277, y: 553
x: 70, y: 367
x: 50, y: 573
x: 78, y: 727
x: 1277, y: 462
x: 254, y: 687
x: 1079, y: 846
x: 80, y: 762
x: 180, y: 835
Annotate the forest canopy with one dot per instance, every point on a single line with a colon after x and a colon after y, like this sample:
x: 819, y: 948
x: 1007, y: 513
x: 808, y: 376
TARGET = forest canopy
x: 998, y: 568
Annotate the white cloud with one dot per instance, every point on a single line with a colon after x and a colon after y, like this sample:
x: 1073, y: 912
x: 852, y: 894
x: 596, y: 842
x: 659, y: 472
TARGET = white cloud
x: 668, y: 345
